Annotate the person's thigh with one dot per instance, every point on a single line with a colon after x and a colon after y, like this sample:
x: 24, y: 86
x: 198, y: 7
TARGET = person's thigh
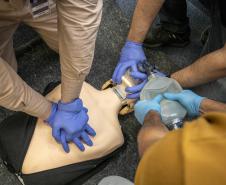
x: 7, y: 29
x: 46, y: 26
x: 11, y: 14
x: 216, y: 32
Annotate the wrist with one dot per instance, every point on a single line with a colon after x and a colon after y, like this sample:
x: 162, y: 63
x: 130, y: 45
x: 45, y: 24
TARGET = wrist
x: 135, y: 37
x: 131, y: 43
x: 47, y: 112
x: 75, y: 105
x: 152, y: 116
x: 205, y: 106
x: 208, y: 105
x: 199, y: 101
x: 71, y: 86
x: 52, y: 112
x: 150, y: 111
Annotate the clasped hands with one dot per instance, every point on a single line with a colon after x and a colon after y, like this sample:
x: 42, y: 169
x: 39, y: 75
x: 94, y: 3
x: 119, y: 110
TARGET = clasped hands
x: 69, y: 122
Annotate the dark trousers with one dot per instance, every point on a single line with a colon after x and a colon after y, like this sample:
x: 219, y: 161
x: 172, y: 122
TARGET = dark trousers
x: 217, y: 37
x: 173, y: 17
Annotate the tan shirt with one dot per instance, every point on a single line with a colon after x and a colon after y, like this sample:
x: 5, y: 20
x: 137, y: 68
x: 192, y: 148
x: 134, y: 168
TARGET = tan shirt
x: 78, y: 23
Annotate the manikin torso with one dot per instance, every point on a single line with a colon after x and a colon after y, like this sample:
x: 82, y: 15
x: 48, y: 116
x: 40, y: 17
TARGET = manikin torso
x: 45, y: 153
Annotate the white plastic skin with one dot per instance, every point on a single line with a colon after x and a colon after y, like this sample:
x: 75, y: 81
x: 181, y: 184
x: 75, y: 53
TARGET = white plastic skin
x: 171, y: 111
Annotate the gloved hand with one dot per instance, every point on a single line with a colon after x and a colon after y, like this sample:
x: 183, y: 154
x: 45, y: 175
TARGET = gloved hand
x: 71, y: 120
x: 141, y: 108
x: 132, y: 54
x: 188, y: 99
x: 76, y: 139
x: 134, y: 92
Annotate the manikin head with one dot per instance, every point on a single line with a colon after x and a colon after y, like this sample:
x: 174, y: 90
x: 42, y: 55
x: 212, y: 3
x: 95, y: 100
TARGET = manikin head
x: 120, y: 91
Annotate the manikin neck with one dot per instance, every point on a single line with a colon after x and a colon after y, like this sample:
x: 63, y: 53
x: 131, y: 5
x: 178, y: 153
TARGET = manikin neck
x: 116, y: 95
x: 120, y: 90
x: 114, y: 100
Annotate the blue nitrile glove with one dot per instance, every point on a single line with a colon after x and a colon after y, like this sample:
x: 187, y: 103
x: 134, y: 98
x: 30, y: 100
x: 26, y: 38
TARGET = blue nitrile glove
x: 141, y: 108
x: 134, y: 92
x: 131, y: 55
x: 76, y: 138
x: 188, y: 99
x: 71, y: 118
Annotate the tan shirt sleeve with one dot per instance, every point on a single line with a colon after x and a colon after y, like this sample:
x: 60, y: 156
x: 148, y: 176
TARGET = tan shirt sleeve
x: 78, y: 23
x: 16, y: 95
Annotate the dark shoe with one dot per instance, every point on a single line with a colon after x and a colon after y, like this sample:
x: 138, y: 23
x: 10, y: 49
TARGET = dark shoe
x: 162, y: 37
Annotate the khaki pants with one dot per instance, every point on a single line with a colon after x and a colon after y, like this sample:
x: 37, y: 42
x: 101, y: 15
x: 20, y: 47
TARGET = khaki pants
x: 12, y: 14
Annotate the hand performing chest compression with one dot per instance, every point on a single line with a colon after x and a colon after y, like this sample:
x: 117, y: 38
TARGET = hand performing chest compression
x: 69, y: 122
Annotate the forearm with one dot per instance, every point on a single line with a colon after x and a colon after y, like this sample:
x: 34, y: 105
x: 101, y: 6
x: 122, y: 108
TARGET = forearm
x: 208, y: 68
x: 78, y: 23
x: 144, y: 15
x: 152, y: 130
x: 16, y: 95
x: 208, y: 105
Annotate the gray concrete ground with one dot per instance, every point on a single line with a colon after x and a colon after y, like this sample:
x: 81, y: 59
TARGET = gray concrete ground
x: 38, y: 66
